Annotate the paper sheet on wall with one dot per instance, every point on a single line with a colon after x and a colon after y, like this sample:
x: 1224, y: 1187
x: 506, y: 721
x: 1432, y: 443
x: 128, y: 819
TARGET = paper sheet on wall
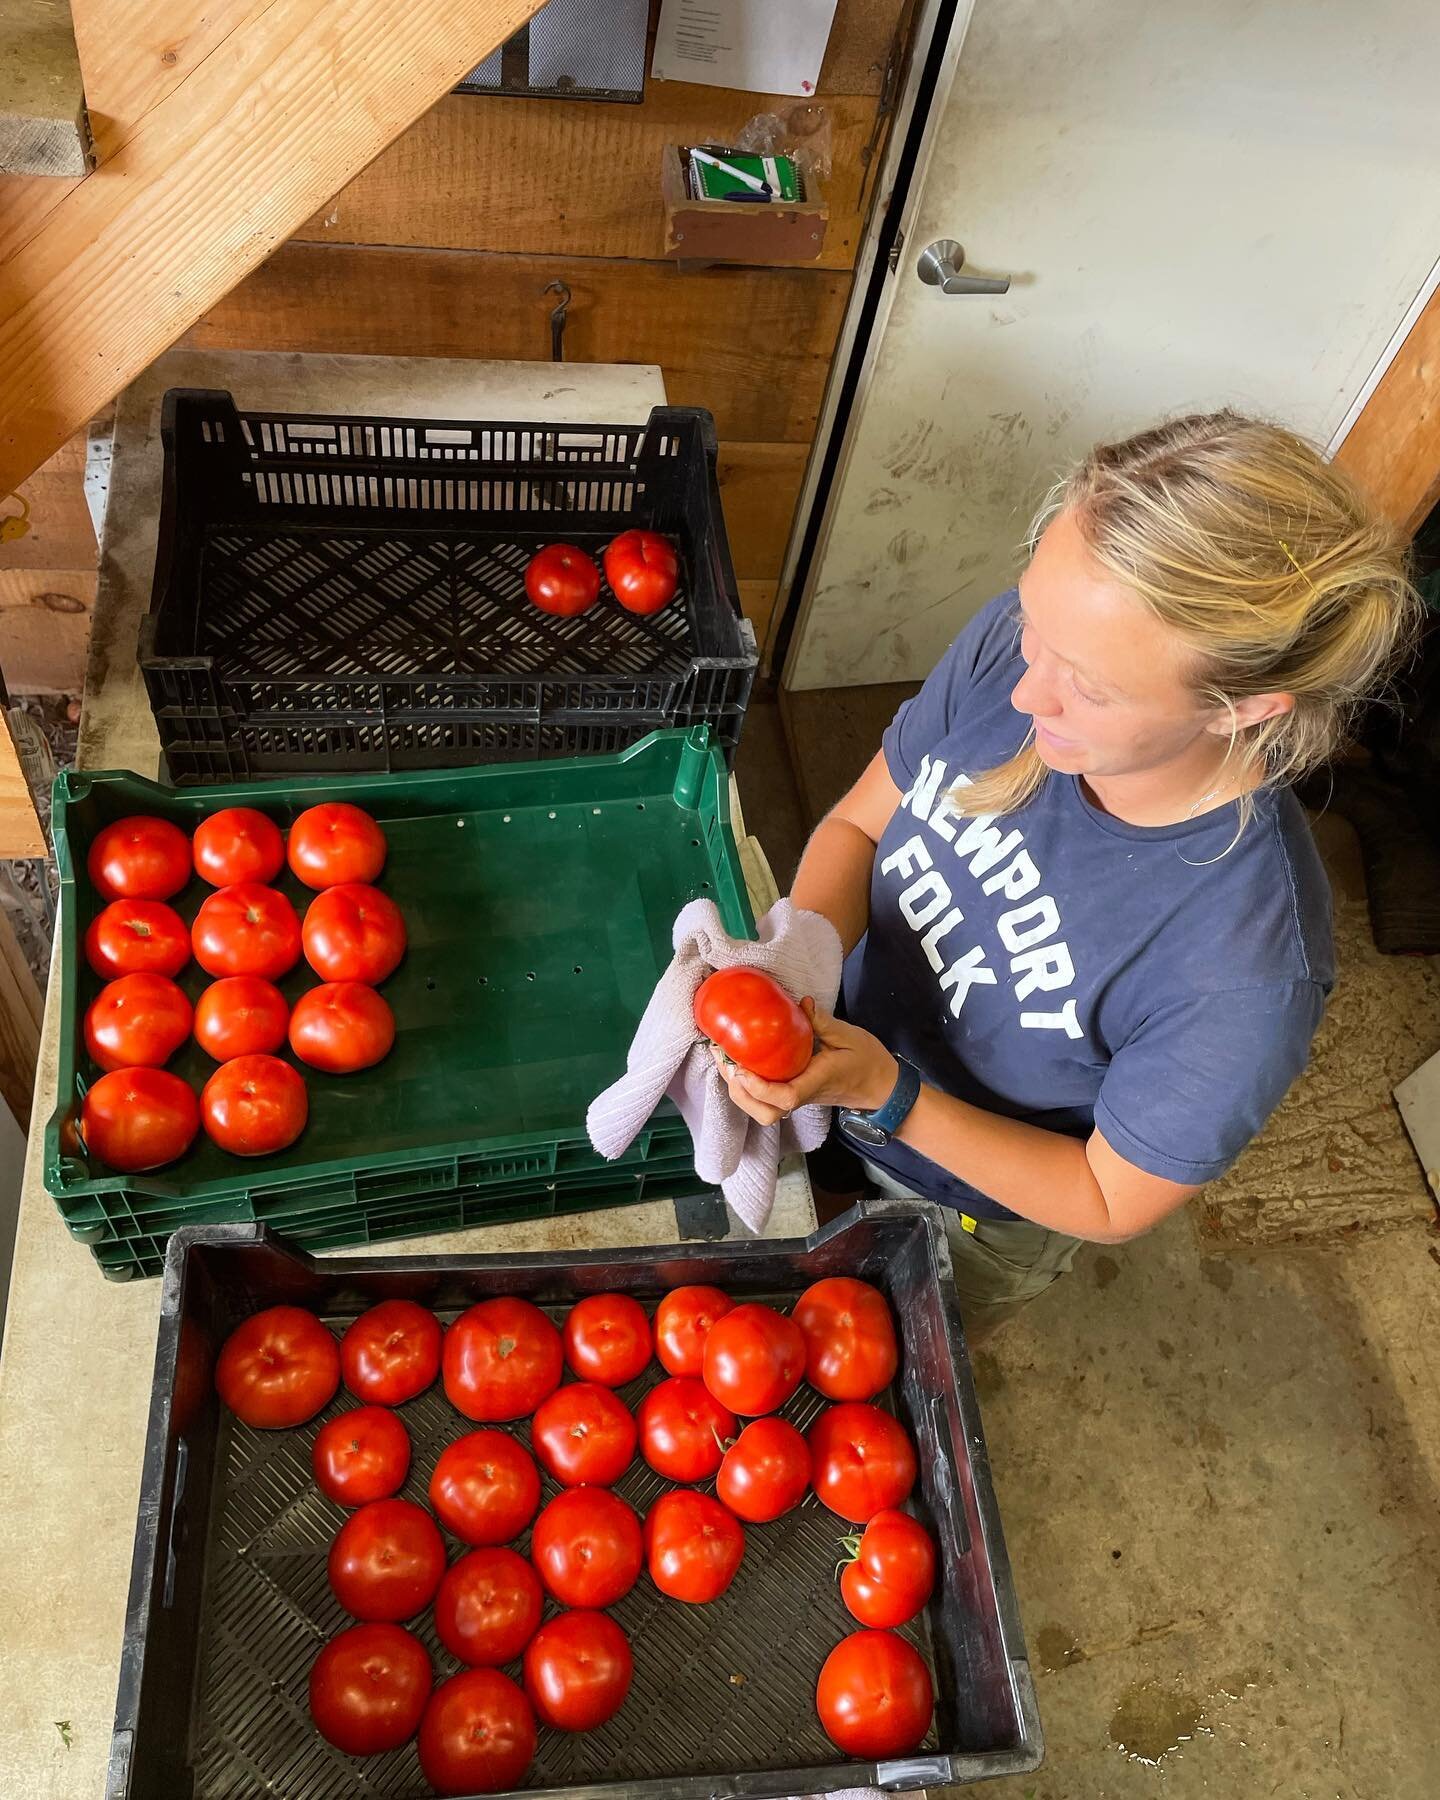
x: 759, y: 44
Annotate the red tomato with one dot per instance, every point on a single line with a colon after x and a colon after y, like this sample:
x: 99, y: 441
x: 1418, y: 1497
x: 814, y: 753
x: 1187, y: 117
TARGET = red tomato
x: 755, y: 1022
x: 693, y: 1545
x: 363, y: 1455
x: 391, y: 1353
x: 562, y: 580
x: 850, y: 1348
x: 874, y: 1696
x: 892, y: 1571
x: 489, y: 1607
x: 485, y: 1488
x: 765, y: 1472
x: 502, y: 1358
x: 578, y: 1670
x: 587, y: 1547
x: 238, y: 844
x: 254, y: 1105
x: 353, y: 933
x: 241, y: 1015
x: 135, y: 1119
x: 682, y: 1323
x: 607, y: 1339
x: 246, y: 930
x: 478, y: 1734
x: 583, y: 1435
x: 342, y: 1026
x: 137, y: 1022
x: 684, y: 1429
x: 386, y: 1561
x: 137, y: 937
x: 862, y: 1460
x: 754, y: 1358
x: 278, y: 1368
x: 368, y: 1689
x: 642, y: 569
x: 335, y: 842
x: 139, y: 859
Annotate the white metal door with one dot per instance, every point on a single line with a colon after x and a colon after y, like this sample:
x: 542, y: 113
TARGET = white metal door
x: 1232, y: 202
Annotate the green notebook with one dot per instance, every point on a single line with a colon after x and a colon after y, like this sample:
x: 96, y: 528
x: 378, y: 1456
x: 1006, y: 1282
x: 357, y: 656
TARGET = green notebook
x: 716, y: 172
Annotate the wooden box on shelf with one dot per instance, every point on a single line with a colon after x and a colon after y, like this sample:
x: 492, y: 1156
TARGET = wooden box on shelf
x: 728, y: 231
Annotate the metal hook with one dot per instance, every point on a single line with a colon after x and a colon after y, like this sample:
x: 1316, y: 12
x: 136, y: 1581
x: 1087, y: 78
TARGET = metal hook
x: 557, y: 320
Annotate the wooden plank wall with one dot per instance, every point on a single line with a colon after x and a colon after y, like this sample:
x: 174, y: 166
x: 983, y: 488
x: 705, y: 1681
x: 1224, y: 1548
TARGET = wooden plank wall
x: 445, y: 244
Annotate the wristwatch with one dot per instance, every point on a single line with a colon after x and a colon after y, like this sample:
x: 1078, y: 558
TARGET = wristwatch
x: 875, y: 1129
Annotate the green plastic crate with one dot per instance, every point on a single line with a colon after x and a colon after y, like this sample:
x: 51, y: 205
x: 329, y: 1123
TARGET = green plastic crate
x: 539, y: 899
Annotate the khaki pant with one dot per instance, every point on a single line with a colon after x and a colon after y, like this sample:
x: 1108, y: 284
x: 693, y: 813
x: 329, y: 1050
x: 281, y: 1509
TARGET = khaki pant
x: 1000, y: 1264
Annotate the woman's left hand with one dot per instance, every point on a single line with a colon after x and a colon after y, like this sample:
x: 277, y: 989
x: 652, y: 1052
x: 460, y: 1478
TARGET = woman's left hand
x: 850, y: 1068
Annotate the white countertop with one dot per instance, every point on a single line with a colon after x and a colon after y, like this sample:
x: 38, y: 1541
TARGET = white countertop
x: 75, y: 1373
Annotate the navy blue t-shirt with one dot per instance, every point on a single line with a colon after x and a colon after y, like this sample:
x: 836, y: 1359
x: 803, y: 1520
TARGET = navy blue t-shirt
x: 1059, y: 966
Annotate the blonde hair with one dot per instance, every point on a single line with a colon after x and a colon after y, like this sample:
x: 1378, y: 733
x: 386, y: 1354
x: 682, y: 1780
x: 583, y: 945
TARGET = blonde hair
x: 1265, y: 559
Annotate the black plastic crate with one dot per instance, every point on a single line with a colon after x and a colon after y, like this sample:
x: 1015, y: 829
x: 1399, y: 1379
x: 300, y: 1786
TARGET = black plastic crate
x: 228, y: 1601
x: 346, y: 593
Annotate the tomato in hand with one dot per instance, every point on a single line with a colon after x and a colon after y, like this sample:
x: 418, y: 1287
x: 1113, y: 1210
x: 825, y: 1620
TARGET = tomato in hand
x: 850, y: 1348
x: 278, y: 1368
x: 368, y: 1689
x: 754, y: 1358
x: 583, y: 1435
x: 755, y: 1022
x: 485, y: 1488
x: 391, y: 1352
x: 587, y: 1547
x: 137, y: 937
x: 693, y: 1545
x: 863, y: 1461
x: 478, y: 1734
x: 502, y: 1358
x: 342, y: 1026
x: 642, y: 569
x: 891, y: 1573
x: 578, y: 1670
x: 386, y: 1561
x: 562, y: 580
x: 684, y: 1429
x: 137, y: 1119
x: 682, y: 1323
x: 353, y: 933
x: 363, y: 1455
x: 246, y: 930
x: 238, y: 844
x: 765, y: 1472
x: 874, y: 1696
x: 240, y: 1015
x: 139, y: 859
x: 254, y: 1105
x: 489, y: 1607
x: 335, y: 842
x: 137, y: 1022
x: 607, y: 1339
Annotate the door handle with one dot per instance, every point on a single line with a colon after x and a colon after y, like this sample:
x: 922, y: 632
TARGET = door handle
x: 940, y: 265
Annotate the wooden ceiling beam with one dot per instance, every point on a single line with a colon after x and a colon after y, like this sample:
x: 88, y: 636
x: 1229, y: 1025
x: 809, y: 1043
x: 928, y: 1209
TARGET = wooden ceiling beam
x: 204, y: 170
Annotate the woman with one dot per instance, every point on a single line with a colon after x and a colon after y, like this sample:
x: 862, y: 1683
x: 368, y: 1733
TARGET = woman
x: 1087, y: 931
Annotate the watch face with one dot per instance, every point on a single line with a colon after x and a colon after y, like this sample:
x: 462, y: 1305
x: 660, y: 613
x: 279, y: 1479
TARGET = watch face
x: 863, y: 1130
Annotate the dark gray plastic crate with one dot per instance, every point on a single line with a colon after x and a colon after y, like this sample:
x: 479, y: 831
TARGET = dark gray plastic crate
x: 347, y: 592
x: 229, y: 1603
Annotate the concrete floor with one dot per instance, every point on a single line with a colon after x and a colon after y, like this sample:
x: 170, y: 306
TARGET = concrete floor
x: 1219, y: 1472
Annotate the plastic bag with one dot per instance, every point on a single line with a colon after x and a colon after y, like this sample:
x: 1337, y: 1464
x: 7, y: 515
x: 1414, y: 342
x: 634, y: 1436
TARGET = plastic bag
x: 802, y: 132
